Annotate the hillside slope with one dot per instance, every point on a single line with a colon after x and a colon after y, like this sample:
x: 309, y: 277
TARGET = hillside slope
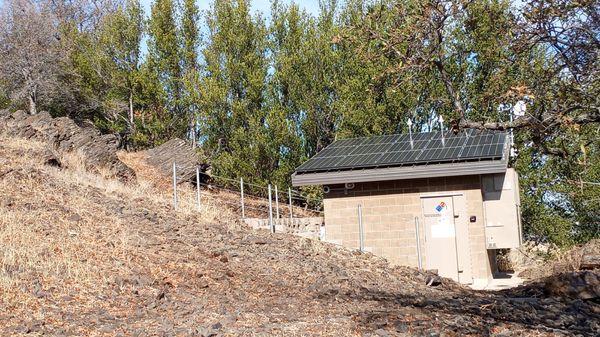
x: 85, y: 255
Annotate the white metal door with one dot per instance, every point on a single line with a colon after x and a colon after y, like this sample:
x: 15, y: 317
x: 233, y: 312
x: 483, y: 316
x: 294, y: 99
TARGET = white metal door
x: 441, y: 253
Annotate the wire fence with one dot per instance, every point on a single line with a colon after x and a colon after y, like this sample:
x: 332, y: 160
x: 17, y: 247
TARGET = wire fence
x: 295, y: 195
x: 283, y: 194
x: 278, y: 204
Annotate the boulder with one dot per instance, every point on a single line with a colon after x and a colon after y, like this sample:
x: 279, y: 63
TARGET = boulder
x: 584, y: 285
x: 181, y: 153
x: 63, y: 135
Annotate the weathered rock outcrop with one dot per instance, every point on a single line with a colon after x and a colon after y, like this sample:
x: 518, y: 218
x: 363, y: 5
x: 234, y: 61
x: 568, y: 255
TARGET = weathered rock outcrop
x: 63, y: 136
x: 584, y: 285
x: 180, y: 152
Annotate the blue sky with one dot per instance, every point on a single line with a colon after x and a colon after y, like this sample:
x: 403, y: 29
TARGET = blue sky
x: 264, y: 6
x: 311, y: 6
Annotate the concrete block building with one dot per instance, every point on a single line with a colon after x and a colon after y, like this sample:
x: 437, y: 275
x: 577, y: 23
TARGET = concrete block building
x: 444, y: 202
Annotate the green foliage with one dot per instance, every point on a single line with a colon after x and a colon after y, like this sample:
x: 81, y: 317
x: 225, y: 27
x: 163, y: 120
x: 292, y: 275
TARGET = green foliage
x: 164, y: 60
x: 560, y: 196
x: 236, y: 124
x: 191, y: 40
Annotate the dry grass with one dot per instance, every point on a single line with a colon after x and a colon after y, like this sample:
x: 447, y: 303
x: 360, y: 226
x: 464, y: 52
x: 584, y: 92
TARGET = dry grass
x: 69, y: 233
x: 213, y: 198
x: 55, y: 234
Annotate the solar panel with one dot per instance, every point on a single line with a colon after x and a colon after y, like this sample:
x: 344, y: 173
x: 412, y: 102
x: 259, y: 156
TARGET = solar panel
x: 396, y: 150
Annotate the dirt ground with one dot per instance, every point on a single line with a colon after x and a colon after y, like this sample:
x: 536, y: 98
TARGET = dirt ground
x: 83, y: 255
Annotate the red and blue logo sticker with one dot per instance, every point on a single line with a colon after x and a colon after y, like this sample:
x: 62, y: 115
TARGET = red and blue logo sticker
x: 440, y: 207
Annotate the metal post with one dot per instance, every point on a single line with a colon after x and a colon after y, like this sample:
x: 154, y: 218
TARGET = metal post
x: 276, y: 203
x: 242, y: 199
x: 198, y: 188
x: 418, y: 243
x: 174, y: 186
x: 441, y: 120
x: 361, y: 232
x: 271, y: 212
x: 290, y: 195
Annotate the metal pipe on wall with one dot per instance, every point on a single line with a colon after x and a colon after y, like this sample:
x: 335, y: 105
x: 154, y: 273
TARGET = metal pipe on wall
x: 418, y: 243
x: 361, y: 232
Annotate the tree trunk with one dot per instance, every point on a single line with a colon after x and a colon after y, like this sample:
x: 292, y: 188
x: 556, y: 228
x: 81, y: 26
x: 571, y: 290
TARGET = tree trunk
x: 32, y: 104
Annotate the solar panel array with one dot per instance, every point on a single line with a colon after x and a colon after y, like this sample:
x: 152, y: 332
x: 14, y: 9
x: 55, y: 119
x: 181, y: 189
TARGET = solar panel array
x: 396, y: 150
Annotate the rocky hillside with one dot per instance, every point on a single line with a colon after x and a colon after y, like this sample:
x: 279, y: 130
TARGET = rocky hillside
x: 90, y: 256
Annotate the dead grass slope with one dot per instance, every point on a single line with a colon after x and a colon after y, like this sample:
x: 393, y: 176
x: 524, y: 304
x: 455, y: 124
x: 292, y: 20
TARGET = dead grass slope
x: 85, y: 255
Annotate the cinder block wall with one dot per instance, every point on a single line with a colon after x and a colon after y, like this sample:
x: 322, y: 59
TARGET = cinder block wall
x: 389, y: 209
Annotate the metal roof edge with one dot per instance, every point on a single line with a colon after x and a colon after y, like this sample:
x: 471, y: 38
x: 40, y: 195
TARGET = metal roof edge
x: 400, y: 173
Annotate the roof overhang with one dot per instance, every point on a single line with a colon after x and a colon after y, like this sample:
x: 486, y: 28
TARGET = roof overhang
x: 400, y: 172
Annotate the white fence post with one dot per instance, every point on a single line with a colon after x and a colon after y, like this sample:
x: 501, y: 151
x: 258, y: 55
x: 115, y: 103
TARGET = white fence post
x: 271, y: 212
x: 242, y: 198
x: 276, y: 203
x: 198, y: 188
x: 174, y: 186
x: 290, y: 196
x: 361, y: 232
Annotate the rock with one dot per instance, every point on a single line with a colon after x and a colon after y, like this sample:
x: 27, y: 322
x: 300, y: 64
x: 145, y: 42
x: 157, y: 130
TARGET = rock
x: 203, y: 283
x: 433, y: 280
x: 401, y: 327
x: 33, y: 326
x: 590, y: 255
x: 381, y: 333
x: 584, y: 285
x: 160, y: 295
x: 74, y: 217
x: 180, y: 152
x: 50, y: 158
x: 63, y: 135
x: 206, y: 332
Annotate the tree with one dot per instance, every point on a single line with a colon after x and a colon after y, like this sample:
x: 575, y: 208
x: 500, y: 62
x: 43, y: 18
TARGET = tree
x: 288, y: 85
x: 30, y: 57
x: 322, y: 118
x: 474, y: 62
x: 120, y: 38
x: 473, y: 47
x: 164, y: 59
x: 234, y: 121
x: 191, y: 41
